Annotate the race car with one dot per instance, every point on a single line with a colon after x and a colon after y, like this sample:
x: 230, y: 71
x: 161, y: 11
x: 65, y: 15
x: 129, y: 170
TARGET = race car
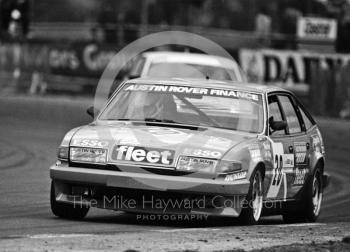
x: 168, y: 64
x: 194, y: 146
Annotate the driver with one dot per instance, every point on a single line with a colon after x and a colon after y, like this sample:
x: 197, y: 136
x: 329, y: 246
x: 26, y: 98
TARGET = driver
x: 152, y: 105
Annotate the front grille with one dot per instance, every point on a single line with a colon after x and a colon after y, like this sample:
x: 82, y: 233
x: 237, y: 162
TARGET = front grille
x: 165, y: 171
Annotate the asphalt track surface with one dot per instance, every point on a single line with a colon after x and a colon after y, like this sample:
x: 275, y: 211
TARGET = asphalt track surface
x: 30, y: 132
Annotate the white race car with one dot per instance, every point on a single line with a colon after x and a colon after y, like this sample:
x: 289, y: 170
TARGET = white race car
x: 194, y: 146
x: 186, y: 65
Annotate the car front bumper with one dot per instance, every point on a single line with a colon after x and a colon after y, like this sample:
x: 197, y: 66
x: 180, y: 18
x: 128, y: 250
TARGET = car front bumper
x: 225, y: 198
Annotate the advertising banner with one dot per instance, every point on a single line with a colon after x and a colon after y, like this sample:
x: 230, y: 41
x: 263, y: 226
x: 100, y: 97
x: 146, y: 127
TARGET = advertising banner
x: 310, y: 28
x: 288, y: 69
x: 71, y: 59
x: 80, y: 59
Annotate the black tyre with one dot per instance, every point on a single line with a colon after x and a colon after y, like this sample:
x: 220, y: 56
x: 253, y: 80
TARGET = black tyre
x: 252, y: 208
x: 311, y: 202
x: 66, y: 211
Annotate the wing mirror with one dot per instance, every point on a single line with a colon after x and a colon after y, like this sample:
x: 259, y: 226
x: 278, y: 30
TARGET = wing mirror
x: 277, y: 125
x: 91, y: 111
x: 133, y: 76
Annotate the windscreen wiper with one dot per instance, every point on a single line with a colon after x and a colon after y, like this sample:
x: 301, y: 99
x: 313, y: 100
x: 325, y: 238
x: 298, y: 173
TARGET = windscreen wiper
x: 157, y: 120
x: 119, y: 119
x: 147, y: 119
x: 170, y: 123
x: 150, y: 119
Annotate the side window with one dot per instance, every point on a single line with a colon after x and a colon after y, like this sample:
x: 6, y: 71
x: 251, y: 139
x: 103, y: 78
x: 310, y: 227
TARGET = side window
x: 290, y: 114
x: 275, y: 113
x: 306, y: 119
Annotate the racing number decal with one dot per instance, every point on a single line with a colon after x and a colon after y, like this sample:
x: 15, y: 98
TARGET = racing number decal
x: 278, y: 176
x: 278, y: 165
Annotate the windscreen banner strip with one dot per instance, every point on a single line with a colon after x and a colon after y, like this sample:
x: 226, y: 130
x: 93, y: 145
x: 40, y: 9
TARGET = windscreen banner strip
x: 193, y: 90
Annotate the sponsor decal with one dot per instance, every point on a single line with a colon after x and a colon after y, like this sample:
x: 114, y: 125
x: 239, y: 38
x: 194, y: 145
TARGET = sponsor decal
x: 124, y: 136
x: 168, y: 135
x: 299, y: 177
x: 255, y: 152
x: 161, y: 131
x: 288, y: 160
x: 267, y: 145
x: 143, y: 154
x: 267, y: 150
x: 218, y: 143
x: 300, y: 150
x: 89, y: 143
x: 202, y: 153
x: 236, y: 176
x: 236, y: 94
x: 193, y: 90
x: 316, y: 143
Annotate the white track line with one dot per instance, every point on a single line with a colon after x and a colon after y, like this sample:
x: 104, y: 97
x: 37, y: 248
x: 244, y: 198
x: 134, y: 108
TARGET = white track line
x: 300, y: 225
x: 45, y: 236
x: 184, y: 230
x: 48, y: 236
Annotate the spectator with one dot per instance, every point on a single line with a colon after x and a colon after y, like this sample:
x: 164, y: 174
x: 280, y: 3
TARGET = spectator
x: 97, y: 35
x: 343, y: 40
x: 289, y: 26
x: 263, y: 26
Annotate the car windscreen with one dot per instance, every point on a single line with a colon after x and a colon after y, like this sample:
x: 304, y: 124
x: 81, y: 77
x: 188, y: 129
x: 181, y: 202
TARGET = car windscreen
x: 221, y: 108
x: 184, y: 70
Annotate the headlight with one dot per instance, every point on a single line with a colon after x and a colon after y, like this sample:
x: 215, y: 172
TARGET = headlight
x: 88, y: 155
x: 228, y: 166
x: 62, y: 153
x: 193, y: 164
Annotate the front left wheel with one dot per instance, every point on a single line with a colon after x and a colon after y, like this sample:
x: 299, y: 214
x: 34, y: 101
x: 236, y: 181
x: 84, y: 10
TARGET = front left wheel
x: 253, y: 204
x: 64, y: 210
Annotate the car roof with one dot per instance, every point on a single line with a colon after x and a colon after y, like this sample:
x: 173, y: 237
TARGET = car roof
x: 187, y: 57
x: 242, y: 86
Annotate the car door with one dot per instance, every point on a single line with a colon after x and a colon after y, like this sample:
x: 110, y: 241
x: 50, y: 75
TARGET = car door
x: 281, y: 159
x: 296, y: 146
